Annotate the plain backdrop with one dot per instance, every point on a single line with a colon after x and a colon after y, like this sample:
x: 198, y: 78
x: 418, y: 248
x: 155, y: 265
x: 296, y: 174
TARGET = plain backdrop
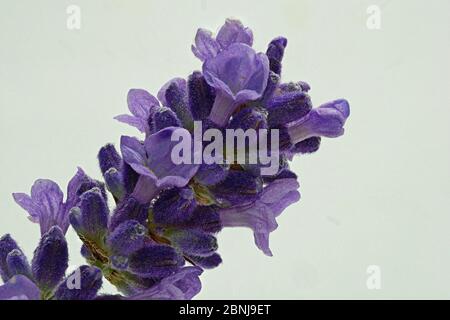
x: 377, y: 196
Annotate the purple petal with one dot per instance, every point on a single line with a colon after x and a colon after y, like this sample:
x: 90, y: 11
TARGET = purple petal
x: 133, y: 151
x: 290, y: 198
x: 205, y: 45
x: 276, y: 190
x: 257, y: 216
x: 234, y: 32
x: 133, y: 121
x: 28, y: 205
x: 19, y: 288
x: 159, y: 148
x: 45, y: 205
x: 140, y: 103
x: 238, y: 68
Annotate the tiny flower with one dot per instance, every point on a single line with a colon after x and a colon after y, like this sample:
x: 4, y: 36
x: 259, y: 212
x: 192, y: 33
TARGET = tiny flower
x: 174, y: 96
x: 239, y: 75
x: 233, y: 31
x: 152, y: 160
x: 275, y: 53
x: 46, y: 206
x: 201, y: 96
x: 50, y: 259
x: 108, y: 158
x: 115, y: 184
x: 7, y: 244
x: 327, y: 120
x: 18, y: 264
x: 91, y: 220
x: 140, y: 103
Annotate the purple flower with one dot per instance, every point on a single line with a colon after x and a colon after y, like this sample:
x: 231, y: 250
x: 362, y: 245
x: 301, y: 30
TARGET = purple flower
x: 50, y: 259
x: 260, y: 215
x: 140, y: 103
x: 7, y: 245
x: 152, y: 160
x: 239, y: 75
x: 183, y: 285
x: 90, y: 219
x: 200, y: 95
x: 46, y: 206
x: 275, y: 52
x: 18, y: 264
x: 232, y: 31
x: 327, y: 120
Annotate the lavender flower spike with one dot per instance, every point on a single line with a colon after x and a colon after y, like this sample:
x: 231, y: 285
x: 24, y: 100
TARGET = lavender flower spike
x: 170, y: 199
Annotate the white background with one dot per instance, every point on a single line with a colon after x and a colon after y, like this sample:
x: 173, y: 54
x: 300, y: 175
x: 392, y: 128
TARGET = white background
x: 377, y: 196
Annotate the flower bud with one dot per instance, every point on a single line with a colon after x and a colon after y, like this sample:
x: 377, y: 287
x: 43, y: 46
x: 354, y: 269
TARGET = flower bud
x: 50, y: 259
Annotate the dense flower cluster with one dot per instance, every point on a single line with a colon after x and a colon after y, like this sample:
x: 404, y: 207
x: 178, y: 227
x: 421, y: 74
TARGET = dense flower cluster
x: 160, y: 236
